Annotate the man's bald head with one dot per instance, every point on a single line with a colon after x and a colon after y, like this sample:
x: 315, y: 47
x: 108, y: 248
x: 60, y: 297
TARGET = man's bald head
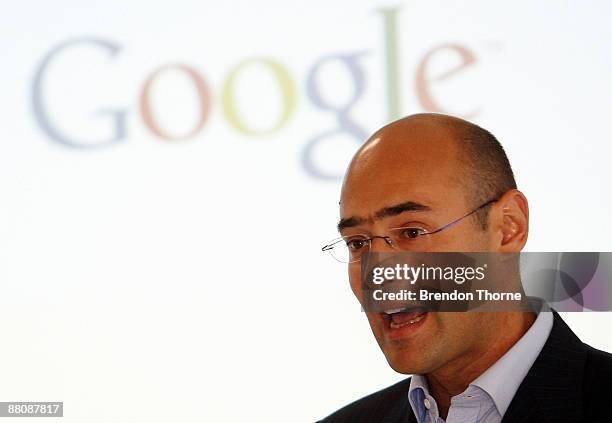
x: 480, y: 165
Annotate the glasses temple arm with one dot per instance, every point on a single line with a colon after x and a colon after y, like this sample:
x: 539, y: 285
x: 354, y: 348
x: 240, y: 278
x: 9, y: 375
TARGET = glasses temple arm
x: 461, y: 218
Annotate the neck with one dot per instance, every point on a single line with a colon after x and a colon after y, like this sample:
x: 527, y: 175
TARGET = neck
x: 454, y: 377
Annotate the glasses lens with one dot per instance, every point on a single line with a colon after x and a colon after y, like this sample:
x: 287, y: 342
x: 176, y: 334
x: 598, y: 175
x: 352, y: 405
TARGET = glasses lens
x: 349, y: 249
x: 338, y: 250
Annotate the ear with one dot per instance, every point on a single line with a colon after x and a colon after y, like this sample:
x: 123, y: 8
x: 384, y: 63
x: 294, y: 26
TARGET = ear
x: 511, y: 222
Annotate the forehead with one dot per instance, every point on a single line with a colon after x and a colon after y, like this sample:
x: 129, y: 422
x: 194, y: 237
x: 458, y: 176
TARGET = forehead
x: 421, y: 164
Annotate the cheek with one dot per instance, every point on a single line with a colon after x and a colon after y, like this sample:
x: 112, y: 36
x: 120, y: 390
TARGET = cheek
x: 458, y: 328
x: 354, y: 271
x: 465, y: 239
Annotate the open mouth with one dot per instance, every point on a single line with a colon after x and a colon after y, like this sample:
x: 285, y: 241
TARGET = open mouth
x: 398, y: 318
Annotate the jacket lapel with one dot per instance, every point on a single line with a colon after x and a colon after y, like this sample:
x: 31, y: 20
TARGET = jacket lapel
x: 551, y: 391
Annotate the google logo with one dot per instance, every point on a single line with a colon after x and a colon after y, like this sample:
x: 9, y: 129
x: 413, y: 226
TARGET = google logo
x: 284, y: 82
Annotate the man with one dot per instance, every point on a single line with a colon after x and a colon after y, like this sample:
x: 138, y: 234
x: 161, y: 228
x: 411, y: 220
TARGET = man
x: 422, y: 172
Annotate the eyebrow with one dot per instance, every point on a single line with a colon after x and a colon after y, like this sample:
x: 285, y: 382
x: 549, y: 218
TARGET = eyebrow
x: 395, y: 210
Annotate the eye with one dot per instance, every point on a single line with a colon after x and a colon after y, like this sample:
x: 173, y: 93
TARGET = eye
x: 411, y: 233
x: 356, y: 243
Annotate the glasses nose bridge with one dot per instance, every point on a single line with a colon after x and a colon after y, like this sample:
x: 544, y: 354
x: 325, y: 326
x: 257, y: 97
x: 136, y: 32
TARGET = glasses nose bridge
x: 388, y: 241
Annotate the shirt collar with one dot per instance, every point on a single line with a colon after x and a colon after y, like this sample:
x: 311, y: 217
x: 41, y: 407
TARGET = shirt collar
x: 417, y: 391
x: 513, y: 366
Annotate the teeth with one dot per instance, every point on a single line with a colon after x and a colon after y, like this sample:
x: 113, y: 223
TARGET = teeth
x: 409, y: 322
x: 416, y: 319
x: 395, y: 310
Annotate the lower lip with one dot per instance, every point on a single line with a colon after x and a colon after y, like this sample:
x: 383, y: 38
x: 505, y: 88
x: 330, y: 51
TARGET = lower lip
x: 405, y: 331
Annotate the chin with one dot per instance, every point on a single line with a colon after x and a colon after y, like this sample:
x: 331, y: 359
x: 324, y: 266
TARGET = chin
x: 405, y: 362
x: 406, y: 368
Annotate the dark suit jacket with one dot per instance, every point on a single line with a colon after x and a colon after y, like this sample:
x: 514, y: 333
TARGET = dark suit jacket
x: 569, y: 382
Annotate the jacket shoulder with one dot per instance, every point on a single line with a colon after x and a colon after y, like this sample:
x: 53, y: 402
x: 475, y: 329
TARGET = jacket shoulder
x: 374, y: 407
x: 597, y: 369
x: 596, y: 387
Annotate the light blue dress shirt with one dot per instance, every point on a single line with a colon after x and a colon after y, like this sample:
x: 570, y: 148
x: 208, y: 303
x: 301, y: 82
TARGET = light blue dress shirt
x: 487, y: 398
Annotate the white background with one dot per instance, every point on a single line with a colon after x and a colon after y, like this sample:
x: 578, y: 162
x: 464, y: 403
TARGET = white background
x: 156, y: 280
